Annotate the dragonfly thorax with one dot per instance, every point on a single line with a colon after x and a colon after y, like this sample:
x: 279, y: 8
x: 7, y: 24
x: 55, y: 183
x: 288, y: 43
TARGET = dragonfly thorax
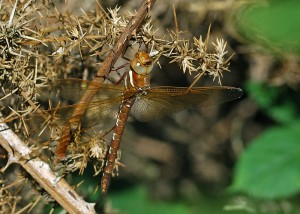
x: 139, y: 74
x: 134, y: 80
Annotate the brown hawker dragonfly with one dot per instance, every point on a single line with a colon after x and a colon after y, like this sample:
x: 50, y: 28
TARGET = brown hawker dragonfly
x: 136, y: 96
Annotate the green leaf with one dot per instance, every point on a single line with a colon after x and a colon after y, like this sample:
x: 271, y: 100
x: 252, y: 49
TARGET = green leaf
x: 263, y: 94
x: 284, y: 113
x: 274, y: 24
x: 135, y: 200
x: 277, y: 102
x: 270, y: 167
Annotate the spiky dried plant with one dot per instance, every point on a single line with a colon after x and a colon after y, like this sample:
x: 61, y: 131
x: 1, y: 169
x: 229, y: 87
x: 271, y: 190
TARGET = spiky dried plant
x: 39, y: 44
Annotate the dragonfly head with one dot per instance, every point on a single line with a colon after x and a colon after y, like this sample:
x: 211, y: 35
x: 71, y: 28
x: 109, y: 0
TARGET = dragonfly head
x: 142, y: 63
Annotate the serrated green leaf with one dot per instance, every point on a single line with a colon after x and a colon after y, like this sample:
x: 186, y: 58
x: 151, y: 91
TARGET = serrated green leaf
x: 270, y: 167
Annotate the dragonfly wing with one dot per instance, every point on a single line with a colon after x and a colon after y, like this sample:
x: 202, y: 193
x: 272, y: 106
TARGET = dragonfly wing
x: 102, y: 109
x: 161, y: 101
x: 146, y: 109
x: 72, y: 90
x: 102, y: 112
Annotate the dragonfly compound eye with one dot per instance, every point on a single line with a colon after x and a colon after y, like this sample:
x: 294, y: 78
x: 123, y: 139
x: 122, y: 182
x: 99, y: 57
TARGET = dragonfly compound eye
x: 142, y: 63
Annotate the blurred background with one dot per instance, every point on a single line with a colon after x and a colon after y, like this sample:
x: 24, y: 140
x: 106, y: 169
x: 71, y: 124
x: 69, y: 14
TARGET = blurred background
x: 238, y: 157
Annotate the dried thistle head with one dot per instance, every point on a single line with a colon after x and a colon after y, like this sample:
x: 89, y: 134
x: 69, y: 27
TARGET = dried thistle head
x: 193, y: 58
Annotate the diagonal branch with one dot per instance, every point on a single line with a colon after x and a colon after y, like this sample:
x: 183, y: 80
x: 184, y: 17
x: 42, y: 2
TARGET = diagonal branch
x: 60, y: 190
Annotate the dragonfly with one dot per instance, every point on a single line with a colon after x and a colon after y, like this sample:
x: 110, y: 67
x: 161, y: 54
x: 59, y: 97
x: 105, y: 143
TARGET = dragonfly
x: 137, y: 97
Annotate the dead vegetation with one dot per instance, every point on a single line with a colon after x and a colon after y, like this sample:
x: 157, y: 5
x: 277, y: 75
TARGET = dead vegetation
x: 40, y: 43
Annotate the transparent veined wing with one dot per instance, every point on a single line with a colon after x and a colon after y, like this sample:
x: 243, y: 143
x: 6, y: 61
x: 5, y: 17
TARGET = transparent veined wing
x: 67, y: 92
x: 161, y: 101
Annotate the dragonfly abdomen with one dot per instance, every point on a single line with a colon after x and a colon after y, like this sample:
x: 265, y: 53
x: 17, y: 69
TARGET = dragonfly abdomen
x: 115, y: 143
